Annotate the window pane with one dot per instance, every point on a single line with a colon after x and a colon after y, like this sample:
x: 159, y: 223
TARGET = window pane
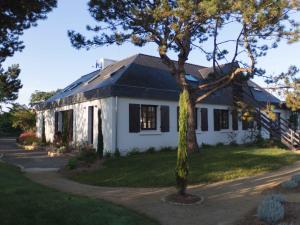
x: 148, y: 113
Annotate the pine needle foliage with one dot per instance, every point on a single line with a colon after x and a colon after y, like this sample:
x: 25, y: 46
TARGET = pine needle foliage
x: 182, y: 168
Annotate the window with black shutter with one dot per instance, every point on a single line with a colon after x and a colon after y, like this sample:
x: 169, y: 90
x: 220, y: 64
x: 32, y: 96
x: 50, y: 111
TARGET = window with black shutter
x: 134, y: 118
x: 204, y: 121
x: 148, y: 117
x: 235, y: 121
x: 164, y: 118
x: 221, y: 119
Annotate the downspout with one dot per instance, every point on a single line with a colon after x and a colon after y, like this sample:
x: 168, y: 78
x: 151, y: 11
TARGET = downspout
x: 116, y: 124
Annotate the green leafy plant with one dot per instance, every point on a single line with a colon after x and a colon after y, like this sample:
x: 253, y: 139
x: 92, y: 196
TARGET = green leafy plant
x: 134, y: 151
x: 72, y: 163
x: 150, y: 150
x: 87, y: 154
x: 117, y: 153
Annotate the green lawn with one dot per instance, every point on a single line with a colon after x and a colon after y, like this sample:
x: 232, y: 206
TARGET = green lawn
x: 214, y: 164
x: 23, y: 202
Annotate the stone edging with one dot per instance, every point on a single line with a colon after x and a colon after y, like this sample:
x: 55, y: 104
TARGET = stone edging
x: 163, y: 199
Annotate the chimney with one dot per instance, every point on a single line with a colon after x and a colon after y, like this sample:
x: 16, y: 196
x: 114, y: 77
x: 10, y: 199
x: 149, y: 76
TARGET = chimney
x: 105, y: 62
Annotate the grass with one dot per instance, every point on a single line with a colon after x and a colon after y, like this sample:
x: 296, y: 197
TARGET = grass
x: 23, y: 202
x: 214, y: 164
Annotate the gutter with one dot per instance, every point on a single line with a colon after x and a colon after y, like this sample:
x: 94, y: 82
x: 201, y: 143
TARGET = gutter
x: 116, y: 124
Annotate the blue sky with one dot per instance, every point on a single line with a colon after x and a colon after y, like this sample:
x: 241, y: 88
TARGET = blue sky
x: 49, y: 61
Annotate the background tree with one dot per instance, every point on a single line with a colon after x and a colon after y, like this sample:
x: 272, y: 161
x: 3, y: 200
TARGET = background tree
x: 9, y: 84
x: 39, y: 96
x: 23, y: 117
x: 185, y: 25
x: 17, y: 16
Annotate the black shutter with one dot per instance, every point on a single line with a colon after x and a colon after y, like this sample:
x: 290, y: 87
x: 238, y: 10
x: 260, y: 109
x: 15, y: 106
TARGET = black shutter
x: 134, y: 118
x: 245, y: 124
x: 164, y: 118
x: 196, y: 118
x: 70, y: 118
x: 177, y: 118
x: 216, y: 119
x: 235, y: 122
x: 204, y: 121
x: 56, y: 123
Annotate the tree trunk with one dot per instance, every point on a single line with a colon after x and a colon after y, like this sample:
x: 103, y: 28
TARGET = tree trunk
x: 191, y: 132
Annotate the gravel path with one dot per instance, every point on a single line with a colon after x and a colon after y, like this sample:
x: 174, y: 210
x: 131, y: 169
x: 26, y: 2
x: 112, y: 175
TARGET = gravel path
x: 224, y: 204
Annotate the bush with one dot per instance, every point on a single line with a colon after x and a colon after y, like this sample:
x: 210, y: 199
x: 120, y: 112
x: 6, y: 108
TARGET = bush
x: 270, y: 211
x: 150, y: 150
x: 206, y: 145
x: 117, y: 153
x: 107, y: 155
x: 87, y: 153
x: 62, y: 149
x: 28, y: 138
x: 72, y: 163
x: 276, y: 197
x: 296, y: 178
x: 168, y: 149
x: 220, y: 144
x: 134, y: 151
x: 290, y: 184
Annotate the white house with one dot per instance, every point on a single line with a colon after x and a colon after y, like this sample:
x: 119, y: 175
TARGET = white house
x: 132, y: 104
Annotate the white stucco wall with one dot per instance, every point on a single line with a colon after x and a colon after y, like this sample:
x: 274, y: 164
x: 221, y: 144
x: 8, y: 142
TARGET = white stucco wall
x: 115, y: 125
x: 145, y: 139
x: 80, y: 122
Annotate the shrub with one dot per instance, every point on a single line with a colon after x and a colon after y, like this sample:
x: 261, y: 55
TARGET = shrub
x: 117, y: 153
x: 220, y: 144
x: 150, y: 150
x: 206, y: 145
x: 168, y: 149
x: 276, y: 197
x: 270, y: 211
x: 296, y: 178
x: 87, y: 153
x: 285, y: 224
x: 134, y: 151
x: 62, y: 149
x: 290, y: 184
x: 72, y: 163
x: 28, y: 138
x: 107, y: 154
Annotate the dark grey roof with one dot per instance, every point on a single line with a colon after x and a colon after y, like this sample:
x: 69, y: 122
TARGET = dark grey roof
x: 139, y: 76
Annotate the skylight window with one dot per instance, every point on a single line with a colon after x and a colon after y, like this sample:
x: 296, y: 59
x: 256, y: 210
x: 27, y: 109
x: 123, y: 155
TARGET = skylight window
x: 191, y: 78
x: 72, y: 87
x: 257, y: 89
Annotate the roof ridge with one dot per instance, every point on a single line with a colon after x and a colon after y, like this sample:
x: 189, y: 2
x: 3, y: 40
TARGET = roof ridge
x: 187, y: 63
